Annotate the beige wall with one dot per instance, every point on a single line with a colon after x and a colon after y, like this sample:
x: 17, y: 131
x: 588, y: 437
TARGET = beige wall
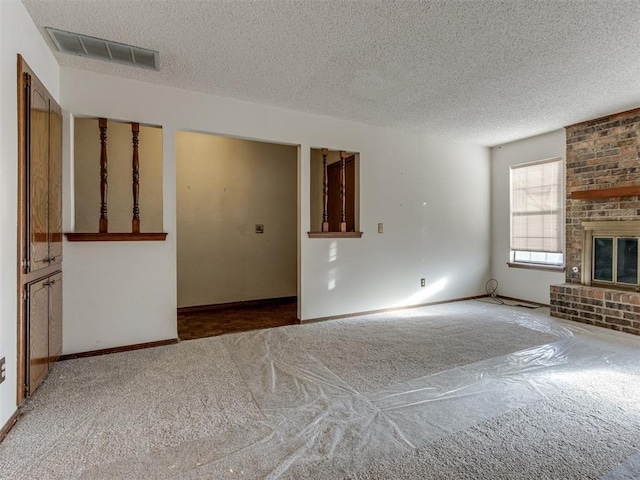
x: 225, y: 187
x: 315, y: 188
x: 119, y: 195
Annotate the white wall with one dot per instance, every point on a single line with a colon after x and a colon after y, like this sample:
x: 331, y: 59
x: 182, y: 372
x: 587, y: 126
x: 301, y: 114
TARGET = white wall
x: 225, y: 186
x: 532, y: 285
x: 432, y: 196
x: 18, y: 34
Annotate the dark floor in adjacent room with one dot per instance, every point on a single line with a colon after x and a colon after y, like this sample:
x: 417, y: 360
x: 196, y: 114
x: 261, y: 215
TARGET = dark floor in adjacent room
x: 218, y: 320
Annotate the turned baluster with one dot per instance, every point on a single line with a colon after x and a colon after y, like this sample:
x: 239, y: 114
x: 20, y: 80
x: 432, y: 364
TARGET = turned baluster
x: 325, y: 191
x: 104, y: 222
x: 343, y: 192
x: 135, y: 165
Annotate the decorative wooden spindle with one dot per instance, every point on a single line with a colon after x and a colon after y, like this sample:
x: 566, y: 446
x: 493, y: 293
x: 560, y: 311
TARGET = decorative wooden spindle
x: 343, y: 192
x: 135, y: 166
x: 104, y: 222
x: 325, y: 191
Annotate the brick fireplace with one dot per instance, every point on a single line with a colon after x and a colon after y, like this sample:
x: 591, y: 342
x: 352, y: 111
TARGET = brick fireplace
x: 603, y: 189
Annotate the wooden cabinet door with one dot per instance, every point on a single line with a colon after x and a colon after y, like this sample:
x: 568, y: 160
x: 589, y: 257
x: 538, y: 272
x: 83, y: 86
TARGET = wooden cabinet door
x: 55, y: 317
x: 38, y: 326
x: 38, y: 180
x: 40, y: 231
x: 55, y: 185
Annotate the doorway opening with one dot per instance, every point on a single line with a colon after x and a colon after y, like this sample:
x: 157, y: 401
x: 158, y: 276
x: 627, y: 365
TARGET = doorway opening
x: 237, y: 234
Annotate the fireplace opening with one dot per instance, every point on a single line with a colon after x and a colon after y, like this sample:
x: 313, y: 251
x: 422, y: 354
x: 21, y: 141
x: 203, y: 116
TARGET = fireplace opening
x: 615, y: 260
x: 610, y: 254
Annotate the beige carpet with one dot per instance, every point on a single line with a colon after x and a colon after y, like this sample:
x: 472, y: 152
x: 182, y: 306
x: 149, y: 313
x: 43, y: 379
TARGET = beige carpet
x: 464, y: 390
x: 373, y: 353
x: 572, y: 435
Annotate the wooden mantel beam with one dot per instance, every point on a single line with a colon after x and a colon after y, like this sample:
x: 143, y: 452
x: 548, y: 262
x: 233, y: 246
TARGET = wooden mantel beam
x: 606, y: 193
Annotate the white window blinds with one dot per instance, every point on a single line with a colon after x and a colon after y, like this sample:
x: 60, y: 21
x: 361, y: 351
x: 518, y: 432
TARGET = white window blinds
x: 537, y: 219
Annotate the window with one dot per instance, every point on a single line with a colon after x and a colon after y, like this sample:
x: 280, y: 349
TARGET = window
x: 117, y: 181
x: 334, y: 193
x: 537, y: 213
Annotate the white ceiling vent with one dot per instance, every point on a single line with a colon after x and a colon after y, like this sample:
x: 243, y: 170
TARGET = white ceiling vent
x: 85, y: 46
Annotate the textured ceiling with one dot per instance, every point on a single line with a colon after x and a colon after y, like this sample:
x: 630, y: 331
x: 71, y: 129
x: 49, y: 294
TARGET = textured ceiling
x: 484, y: 72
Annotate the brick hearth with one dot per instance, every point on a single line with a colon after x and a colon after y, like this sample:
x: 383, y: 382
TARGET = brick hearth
x: 603, y: 307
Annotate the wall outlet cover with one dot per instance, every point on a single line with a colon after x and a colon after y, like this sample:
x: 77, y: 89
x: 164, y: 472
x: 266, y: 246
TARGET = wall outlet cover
x: 3, y: 371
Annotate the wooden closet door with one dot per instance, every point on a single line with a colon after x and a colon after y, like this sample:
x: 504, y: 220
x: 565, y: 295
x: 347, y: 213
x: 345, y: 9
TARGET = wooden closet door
x: 38, y: 180
x: 39, y: 231
x: 55, y: 317
x: 55, y: 185
x: 38, y: 333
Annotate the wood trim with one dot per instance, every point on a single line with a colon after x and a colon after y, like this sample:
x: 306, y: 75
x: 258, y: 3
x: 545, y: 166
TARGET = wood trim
x: 394, y: 309
x: 246, y: 303
x: 13, y: 419
x: 335, y: 234
x: 512, y: 299
x: 124, y: 348
x: 22, y: 238
x: 631, y: 191
x: 116, y: 237
x: 536, y: 266
x: 42, y: 273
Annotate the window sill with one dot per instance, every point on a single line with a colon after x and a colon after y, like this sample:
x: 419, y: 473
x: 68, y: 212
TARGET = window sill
x: 537, y: 266
x: 335, y: 234
x: 116, y: 237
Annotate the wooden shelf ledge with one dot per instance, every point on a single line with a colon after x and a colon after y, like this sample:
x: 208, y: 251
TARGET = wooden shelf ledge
x: 335, y: 234
x: 606, y: 193
x: 116, y: 237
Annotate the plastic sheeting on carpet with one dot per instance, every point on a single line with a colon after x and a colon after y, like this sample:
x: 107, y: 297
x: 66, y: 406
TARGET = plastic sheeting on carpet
x: 332, y: 399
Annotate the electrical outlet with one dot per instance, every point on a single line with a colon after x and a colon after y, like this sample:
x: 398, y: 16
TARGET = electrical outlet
x: 3, y: 372
x: 423, y: 283
x: 380, y: 228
